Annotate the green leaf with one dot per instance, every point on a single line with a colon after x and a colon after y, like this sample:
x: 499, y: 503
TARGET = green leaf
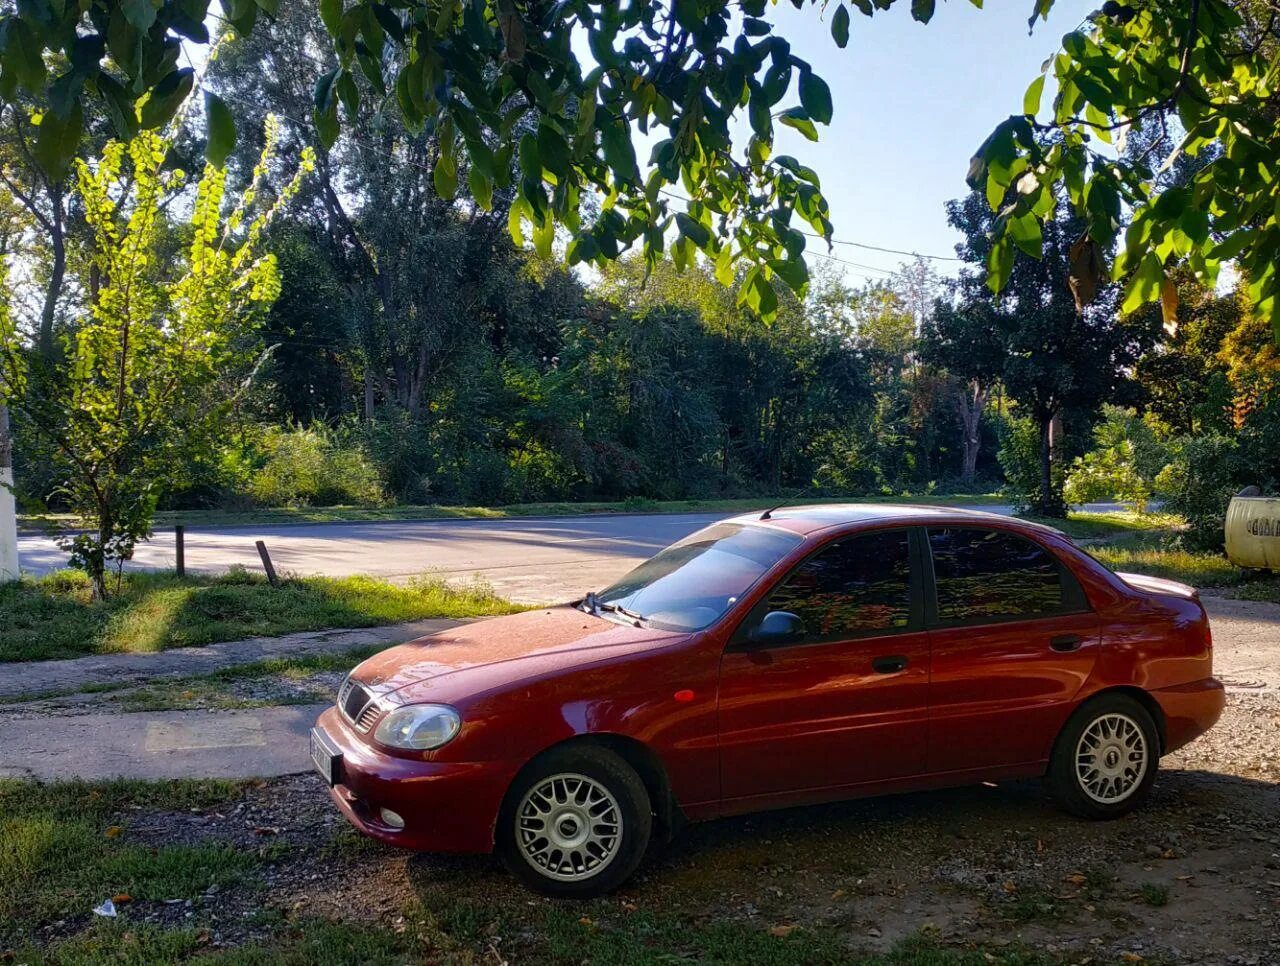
x: 922, y: 10
x: 543, y: 236
x: 795, y: 117
x: 815, y: 96
x: 1144, y: 286
x: 619, y: 152
x: 553, y: 150
x: 57, y: 139
x: 221, y: 131
x: 1031, y: 99
x: 1026, y: 234
x: 331, y: 14
x: 792, y: 271
x: 481, y: 186
x: 515, y: 222
x: 840, y: 27
x: 166, y: 97
x: 140, y: 13
x: 693, y: 230
x: 326, y: 122
x: 1000, y: 264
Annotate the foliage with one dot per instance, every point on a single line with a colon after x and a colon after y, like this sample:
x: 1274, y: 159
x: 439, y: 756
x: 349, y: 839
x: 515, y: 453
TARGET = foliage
x: 1204, y: 66
x: 314, y: 466
x: 1183, y: 378
x: 1198, y: 483
x: 144, y: 375
x: 1128, y: 455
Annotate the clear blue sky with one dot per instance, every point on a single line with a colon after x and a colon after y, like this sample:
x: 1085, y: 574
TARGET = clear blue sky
x: 912, y: 102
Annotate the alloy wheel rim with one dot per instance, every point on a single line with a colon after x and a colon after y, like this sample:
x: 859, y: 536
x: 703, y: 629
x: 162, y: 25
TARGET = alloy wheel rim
x: 569, y: 827
x: 1111, y: 758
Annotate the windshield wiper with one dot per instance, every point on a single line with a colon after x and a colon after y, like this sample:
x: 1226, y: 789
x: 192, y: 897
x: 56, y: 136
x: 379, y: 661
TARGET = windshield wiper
x: 593, y: 605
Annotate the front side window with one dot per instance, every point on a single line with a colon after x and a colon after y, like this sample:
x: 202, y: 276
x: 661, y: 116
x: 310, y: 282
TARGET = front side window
x: 996, y: 575
x: 856, y: 587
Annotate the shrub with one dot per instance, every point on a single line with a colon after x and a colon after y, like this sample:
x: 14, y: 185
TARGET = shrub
x: 1128, y: 455
x: 1198, y: 483
x: 314, y: 467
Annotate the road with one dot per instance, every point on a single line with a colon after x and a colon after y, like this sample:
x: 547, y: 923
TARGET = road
x: 529, y: 559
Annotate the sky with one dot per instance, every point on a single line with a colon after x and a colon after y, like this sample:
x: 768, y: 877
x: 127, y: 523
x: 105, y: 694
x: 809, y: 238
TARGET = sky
x: 912, y: 103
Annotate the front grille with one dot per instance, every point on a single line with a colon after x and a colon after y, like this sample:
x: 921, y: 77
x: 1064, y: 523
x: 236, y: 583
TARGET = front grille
x: 357, y: 705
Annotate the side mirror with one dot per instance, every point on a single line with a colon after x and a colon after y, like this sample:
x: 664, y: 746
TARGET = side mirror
x: 776, y: 628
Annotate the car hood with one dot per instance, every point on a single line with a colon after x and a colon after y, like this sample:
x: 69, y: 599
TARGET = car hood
x: 480, y: 656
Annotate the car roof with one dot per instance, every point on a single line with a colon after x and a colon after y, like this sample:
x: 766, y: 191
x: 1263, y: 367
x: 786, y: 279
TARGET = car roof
x: 812, y: 518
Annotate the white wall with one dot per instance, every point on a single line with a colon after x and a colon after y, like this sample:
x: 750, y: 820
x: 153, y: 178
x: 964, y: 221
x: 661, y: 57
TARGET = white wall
x: 8, y: 528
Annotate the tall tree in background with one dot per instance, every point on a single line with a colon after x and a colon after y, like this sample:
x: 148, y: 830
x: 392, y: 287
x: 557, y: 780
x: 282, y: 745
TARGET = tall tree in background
x: 1056, y: 358
x: 965, y: 338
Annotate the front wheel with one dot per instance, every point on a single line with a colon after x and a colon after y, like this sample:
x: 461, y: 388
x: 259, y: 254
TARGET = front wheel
x: 1105, y: 759
x: 575, y: 824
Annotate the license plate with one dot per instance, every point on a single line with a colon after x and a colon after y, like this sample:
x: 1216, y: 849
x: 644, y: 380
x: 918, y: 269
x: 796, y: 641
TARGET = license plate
x: 325, y: 756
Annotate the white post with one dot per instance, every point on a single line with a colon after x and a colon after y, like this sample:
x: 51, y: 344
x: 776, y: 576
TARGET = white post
x: 8, y: 510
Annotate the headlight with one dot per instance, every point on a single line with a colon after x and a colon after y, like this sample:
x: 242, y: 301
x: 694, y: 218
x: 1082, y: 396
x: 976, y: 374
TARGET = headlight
x: 419, y: 726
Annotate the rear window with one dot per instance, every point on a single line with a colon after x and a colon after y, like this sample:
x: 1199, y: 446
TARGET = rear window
x: 991, y: 575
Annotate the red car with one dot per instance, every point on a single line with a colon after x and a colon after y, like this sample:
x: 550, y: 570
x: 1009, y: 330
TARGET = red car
x: 801, y: 655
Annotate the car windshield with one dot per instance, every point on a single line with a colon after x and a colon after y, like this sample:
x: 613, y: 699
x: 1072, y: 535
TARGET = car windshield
x: 692, y: 583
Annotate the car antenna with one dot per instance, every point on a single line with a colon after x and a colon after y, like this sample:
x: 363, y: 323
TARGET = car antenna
x: 768, y: 514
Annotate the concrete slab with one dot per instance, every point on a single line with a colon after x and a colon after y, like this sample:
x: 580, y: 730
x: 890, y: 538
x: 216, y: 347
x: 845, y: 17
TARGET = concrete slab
x: 252, y: 743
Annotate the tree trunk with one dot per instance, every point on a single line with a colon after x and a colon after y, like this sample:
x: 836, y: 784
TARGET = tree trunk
x: 1048, y: 501
x: 57, y: 273
x: 970, y: 402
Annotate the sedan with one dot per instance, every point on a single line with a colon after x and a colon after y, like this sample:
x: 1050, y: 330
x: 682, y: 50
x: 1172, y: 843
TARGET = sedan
x: 802, y: 655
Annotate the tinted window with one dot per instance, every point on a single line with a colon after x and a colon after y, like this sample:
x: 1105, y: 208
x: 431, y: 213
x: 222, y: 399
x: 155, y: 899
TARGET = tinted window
x: 853, y: 588
x: 692, y: 583
x: 995, y: 575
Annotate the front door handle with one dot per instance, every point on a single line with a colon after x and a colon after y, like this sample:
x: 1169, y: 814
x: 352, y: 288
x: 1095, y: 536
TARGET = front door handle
x: 890, y: 664
x: 1065, y: 642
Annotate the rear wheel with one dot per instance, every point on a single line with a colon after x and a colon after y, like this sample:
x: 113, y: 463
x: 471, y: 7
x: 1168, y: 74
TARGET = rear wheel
x: 575, y: 823
x: 1105, y: 759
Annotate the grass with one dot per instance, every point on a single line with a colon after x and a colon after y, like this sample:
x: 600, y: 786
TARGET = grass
x: 60, y: 854
x: 53, y: 616
x: 344, y: 514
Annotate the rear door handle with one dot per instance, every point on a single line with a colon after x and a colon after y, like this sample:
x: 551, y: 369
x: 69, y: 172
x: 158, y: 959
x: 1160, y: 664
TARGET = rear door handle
x: 1065, y: 642
x: 890, y: 664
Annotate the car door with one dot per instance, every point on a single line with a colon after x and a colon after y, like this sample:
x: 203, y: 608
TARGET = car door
x: 1012, y: 638
x: 845, y: 702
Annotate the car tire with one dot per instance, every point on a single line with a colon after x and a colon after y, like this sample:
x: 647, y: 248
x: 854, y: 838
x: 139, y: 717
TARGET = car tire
x: 1105, y: 759
x: 575, y: 823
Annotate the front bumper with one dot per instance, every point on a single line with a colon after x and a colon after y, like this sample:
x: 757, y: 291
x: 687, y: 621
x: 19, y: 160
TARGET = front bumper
x: 1190, y: 710
x: 446, y: 806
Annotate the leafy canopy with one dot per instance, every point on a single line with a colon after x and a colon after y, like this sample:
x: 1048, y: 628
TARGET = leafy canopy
x: 561, y: 93
x: 1206, y: 72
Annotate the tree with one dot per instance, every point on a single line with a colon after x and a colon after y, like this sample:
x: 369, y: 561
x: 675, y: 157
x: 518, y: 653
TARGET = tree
x: 1056, y: 359
x: 964, y: 339
x: 151, y: 363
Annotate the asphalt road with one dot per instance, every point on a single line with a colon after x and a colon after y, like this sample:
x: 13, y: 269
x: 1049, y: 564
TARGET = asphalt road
x: 527, y: 559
